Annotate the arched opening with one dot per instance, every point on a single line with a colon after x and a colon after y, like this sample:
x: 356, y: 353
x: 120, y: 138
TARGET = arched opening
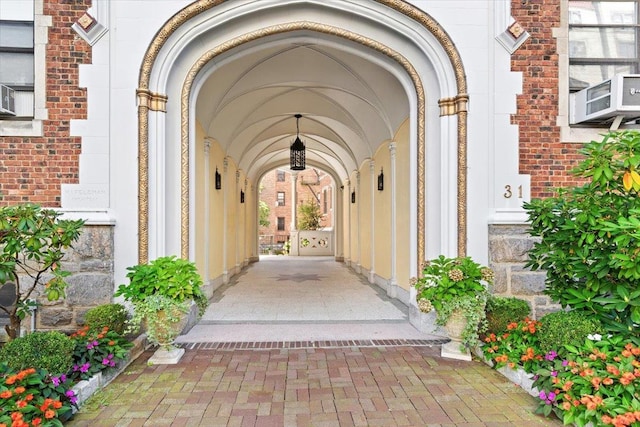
x: 402, y: 99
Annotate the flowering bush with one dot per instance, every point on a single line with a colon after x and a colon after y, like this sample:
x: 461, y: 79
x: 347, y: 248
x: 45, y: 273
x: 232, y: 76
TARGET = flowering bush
x: 518, y: 346
x: 597, y: 382
x: 95, y: 352
x: 31, y: 398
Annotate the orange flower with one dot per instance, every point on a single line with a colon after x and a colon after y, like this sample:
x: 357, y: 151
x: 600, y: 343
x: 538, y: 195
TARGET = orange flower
x: 566, y: 406
x: 112, y: 343
x: 10, y: 380
x: 49, y: 413
x: 567, y: 385
x: 15, y: 416
x: 36, y: 421
x: 57, y: 404
x: 613, y: 370
x: 21, y: 403
x: 627, y: 378
x: 607, y: 381
x: 19, y: 390
x: 595, y: 382
x: 606, y: 419
x: 6, y: 394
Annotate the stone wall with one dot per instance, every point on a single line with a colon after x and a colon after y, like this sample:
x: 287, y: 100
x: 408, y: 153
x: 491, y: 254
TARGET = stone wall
x: 90, y: 283
x: 508, y: 248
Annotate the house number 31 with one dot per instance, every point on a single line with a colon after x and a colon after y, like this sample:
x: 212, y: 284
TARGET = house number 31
x: 508, y: 192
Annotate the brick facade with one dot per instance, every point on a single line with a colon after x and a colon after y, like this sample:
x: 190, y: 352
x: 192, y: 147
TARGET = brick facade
x: 311, y: 184
x: 33, y: 169
x: 542, y: 155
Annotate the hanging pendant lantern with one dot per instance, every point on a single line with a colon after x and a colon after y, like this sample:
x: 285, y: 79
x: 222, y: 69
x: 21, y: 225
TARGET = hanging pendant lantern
x: 297, y: 162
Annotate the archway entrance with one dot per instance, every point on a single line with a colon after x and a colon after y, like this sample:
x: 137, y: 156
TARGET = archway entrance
x: 370, y: 97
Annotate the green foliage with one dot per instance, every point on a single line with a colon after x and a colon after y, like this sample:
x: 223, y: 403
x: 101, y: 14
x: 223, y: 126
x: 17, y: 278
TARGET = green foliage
x: 161, y: 316
x: 518, y: 346
x: 503, y: 310
x: 96, y: 351
x: 32, y: 243
x: 263, y: 214
x: 113, y: 316
x: 590, y: 235
x: 171, y: 277
x: 51, y: 351
x: 33, y: 397
x: 450, y: 284
x: 566, y: 327
x: 309, y: 216
x: 594, y: 383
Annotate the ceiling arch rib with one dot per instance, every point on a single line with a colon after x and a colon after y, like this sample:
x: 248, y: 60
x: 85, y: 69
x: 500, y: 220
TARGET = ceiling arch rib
x: 349, y: 104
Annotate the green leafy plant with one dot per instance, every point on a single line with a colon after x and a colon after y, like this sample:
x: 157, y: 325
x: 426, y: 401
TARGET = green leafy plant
x: 51, y: 351
x: 309, y: 216
x: 31, y: 398
x: 263, y: 214
x: 504, y: 310
x: 450, y: 284
x: 517, y: 347
x: 596, y: 382
x: 32, y: 244
x: 566, y: 327
x: 175, y: 278
x: 96, y: 351
x: 162, y: 317
x: 590, y: 235
x: 113, y: 316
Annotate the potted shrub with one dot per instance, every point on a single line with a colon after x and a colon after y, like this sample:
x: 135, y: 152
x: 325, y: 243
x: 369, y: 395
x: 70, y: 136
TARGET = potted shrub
x: 162, y: 293
x: 457, y: 289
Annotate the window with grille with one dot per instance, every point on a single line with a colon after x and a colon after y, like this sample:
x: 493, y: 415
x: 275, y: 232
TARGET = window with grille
x: 280, y: 176
x: 603, y: 41
x: 280, y: 223
x: 280, y: 198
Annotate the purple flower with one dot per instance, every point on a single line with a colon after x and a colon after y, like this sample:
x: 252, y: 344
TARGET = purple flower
x: 55, y: 381
x: 551, y: 355
x: 72, y: 396
x: 85, y: 367
x: 543, y: 395
x: 63, y: 378
x: 551, y: 396
x: 565, y: 363
x: 105, y: 361
x: 554, y: 373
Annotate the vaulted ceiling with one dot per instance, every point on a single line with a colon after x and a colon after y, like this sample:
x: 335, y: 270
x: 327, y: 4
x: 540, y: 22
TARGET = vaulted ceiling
x: 349, y: 106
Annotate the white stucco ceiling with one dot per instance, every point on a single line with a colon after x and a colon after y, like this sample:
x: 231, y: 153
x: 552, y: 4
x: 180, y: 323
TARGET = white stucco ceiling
x: 349, y: 105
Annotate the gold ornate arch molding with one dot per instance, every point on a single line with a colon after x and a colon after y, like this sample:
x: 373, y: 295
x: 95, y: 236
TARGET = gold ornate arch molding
x: 149, y: 101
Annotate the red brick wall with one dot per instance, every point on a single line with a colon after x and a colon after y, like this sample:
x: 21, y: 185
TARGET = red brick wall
x: 542, y: 154
x: 271, y: 186
x: 33, y: 169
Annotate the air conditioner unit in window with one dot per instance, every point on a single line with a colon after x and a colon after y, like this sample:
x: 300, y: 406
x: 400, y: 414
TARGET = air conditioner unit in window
x: 615, y: 98
x: 8, y: 101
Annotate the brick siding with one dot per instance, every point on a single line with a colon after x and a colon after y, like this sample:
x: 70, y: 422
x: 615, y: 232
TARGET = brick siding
x: 542, y: 154
x: 33, y: 169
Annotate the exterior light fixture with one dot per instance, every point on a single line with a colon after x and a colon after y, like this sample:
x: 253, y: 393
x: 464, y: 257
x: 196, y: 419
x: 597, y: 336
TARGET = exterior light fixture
x: 218, y: 180
x: 353, y: 196
x: 381, y: 181
x: 241, y: 196
x: 297, y: 149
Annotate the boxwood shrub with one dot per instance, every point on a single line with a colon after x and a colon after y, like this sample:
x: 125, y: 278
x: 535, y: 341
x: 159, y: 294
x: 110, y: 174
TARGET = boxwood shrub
x: 566, y: 327
x: 114, y: 316
x: 504, y: 310
x: 50, y: 350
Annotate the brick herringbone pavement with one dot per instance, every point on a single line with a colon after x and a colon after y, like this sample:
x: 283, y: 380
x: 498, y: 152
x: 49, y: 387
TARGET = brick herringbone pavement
x: 343, y: 386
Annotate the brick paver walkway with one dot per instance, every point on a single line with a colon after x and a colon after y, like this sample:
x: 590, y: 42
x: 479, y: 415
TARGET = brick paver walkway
x: 339, y: 386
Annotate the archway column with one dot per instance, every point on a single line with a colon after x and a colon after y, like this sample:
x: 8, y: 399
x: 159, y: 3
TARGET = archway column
x: 393, y: 280
x: 225, y: 214
x: 372, y: 173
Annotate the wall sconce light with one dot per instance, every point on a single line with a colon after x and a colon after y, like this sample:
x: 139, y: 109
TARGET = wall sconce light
x: 218, y: 180
x: 241, y: 196
x: 353, y: 196
x: 381, y: 181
